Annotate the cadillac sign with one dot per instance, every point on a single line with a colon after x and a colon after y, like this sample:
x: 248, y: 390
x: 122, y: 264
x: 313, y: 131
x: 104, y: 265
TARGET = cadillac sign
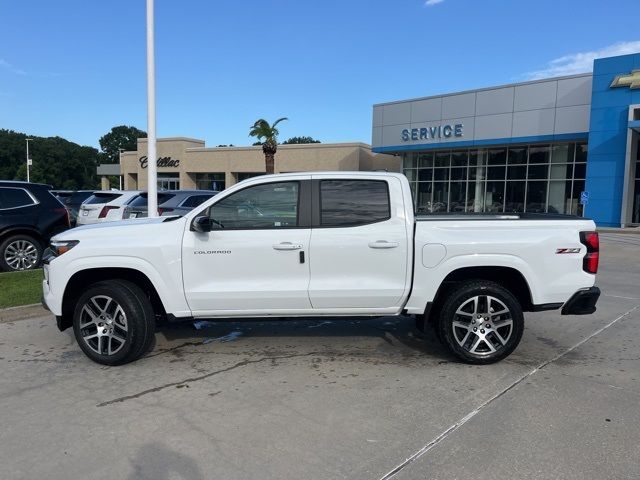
x: 436, y: 132
x: 162, y: 162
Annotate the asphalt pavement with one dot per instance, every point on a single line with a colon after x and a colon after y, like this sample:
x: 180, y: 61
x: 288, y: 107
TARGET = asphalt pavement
x: 332, y: 399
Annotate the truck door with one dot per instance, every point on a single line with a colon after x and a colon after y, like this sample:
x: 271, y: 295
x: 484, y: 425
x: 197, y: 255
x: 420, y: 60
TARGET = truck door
x: 254, y: 261
x: 359, y: 243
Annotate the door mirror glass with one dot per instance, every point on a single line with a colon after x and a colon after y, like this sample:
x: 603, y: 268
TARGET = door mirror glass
x: 202, y: 224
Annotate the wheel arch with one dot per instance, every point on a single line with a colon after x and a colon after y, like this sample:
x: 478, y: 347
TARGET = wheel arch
x: 80, y: 280
x: 31, y: 232
x: 508, y: 277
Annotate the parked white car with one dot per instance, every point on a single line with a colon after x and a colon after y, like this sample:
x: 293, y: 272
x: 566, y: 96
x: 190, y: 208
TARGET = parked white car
x: 105, y: 206
x: 334, y: 244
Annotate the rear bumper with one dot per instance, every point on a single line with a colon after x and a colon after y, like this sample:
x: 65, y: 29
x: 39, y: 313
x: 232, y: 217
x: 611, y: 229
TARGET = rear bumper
x: 583, y: 302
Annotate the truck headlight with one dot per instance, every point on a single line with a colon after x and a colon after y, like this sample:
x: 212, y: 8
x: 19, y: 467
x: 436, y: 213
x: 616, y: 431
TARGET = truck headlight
x: 58, y: 247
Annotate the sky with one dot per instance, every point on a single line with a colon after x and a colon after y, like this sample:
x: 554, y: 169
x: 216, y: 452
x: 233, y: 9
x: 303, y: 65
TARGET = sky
x: 76, y: 68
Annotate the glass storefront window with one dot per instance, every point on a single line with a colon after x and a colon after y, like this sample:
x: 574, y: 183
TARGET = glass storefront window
x: 459, y: 159
x: 457, y: 196
x: 210, y: 181
x: 559, y: 197
x: 580, y: 170
x: 514, y: 201
x: 536, y: 197
x: 539, y: 154
x: 522, y: 178
x: 494, y: 197
x: 561, y: 171
x: 440, y: 196
x: 425, y: 160
x: 442, y: 159
x: 563, y: 153
x: 423, y: 199
x: 538, y: 172
x: 497, y: 156
x: 581, y: 152
x: 441, y: 174
x: 517, y: 156
x: 517, y: 172
x: 496, y: 173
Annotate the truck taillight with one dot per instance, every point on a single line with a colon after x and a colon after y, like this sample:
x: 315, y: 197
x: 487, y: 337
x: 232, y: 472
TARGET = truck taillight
x: 591, y: 259
x: 105, y: 211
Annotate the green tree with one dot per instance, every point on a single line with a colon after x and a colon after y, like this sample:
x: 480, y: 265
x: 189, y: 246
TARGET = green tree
x: 56, y: 161
x: 261, y: 129
x: 120, y: 137
x: 300, y: 140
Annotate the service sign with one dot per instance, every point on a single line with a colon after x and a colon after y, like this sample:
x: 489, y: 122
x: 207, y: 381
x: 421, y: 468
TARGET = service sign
x: 436, y: 132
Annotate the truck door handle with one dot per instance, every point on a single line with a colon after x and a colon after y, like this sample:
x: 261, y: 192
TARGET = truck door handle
x: 287, y: 246
x: 383, y: 244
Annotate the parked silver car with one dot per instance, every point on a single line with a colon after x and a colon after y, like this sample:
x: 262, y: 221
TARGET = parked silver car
x: 170, y: 202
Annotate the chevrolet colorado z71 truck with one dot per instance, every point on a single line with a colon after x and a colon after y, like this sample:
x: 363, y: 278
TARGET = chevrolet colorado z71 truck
x: 320, y: 244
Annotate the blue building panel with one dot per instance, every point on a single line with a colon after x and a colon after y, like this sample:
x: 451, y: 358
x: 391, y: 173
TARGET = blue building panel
x: 608, y: 131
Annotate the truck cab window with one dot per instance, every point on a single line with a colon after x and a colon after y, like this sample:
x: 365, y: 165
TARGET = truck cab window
x: 271, y: 205
x: 348, y: 203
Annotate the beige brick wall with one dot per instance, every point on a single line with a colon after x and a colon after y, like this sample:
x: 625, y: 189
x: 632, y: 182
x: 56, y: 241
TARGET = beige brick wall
x: 195, y: 158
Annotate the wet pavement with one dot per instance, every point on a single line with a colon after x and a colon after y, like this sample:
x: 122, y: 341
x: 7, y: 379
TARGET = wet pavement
x: 333, y: 398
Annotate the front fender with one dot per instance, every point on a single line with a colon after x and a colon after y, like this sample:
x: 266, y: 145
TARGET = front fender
x: 167, y: 281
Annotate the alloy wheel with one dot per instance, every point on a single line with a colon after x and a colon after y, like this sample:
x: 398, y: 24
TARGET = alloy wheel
x: 103, y: 325
x: 482, y: 325
x: 21, y: 255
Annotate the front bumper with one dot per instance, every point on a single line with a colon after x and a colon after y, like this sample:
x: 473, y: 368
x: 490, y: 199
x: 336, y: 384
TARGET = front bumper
x: 583, y: 302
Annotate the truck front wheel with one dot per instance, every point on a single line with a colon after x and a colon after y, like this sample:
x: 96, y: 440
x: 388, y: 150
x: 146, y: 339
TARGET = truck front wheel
x: 480, y: 322
x: 113, y: 322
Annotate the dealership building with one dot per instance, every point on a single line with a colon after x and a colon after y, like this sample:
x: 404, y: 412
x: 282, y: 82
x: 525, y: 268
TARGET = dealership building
x: 560, y: 145
x: 186, y: 163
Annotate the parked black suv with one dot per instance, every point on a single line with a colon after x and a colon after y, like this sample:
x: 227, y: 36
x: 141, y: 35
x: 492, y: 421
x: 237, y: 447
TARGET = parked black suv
x: 29, y: 216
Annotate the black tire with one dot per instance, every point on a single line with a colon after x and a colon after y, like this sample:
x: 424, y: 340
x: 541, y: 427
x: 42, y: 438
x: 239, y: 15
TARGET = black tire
x: 496, y: 331
x: 12, y: 245
x: 135, y: 324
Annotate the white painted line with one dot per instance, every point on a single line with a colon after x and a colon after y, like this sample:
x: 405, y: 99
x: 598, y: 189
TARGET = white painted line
x: 619, y: 296
x: 474, y: 412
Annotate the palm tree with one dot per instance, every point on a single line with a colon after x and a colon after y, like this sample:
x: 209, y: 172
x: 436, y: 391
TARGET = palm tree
x: 261, y: 129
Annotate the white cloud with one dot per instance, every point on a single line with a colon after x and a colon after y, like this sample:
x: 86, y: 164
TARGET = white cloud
x: 582, y: 62
x: 431, y: 3
x: 7, y: 66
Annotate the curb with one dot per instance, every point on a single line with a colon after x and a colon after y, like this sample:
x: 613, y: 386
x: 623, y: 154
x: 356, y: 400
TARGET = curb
x: 24, y: 312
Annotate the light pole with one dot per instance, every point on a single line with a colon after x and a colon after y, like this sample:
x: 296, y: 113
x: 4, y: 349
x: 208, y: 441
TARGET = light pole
x: 29, y: 161
x: 152, y: 174
x: 120, y: 150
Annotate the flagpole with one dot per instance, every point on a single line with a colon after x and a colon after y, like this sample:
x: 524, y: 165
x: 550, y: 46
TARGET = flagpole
x: 152, y: 174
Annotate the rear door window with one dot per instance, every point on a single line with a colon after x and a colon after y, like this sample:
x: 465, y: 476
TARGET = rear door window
x: 349, y: 203
x: 14, y: 197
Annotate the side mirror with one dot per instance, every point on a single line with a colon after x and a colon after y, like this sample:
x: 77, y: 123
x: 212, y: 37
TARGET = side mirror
x: 201, y: 224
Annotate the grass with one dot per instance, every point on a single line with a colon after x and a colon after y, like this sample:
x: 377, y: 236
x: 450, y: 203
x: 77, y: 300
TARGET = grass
x: 20, y: 288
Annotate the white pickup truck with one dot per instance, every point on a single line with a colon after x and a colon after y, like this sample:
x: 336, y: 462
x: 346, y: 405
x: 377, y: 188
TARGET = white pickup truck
x: 320, y: 244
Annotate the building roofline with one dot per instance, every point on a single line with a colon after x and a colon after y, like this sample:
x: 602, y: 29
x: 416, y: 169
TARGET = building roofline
x: 174, y: 139
x: 484, y: 89
x: 281, y: 146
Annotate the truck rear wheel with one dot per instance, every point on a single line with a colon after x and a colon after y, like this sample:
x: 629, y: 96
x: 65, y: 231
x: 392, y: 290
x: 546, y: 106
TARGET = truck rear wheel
x: 113, y: 322
x: 480, y: 322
